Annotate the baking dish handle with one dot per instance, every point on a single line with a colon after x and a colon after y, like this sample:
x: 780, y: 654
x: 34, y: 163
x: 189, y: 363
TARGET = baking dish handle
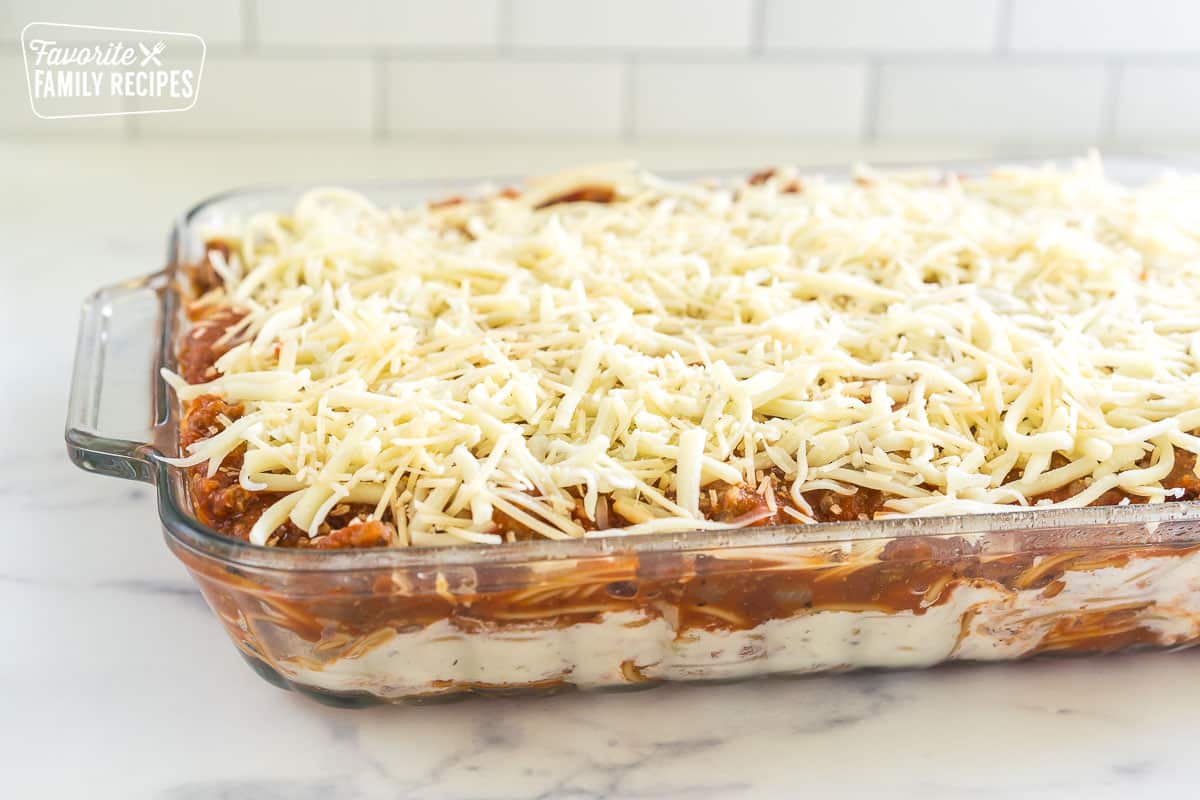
x: 110, y: 414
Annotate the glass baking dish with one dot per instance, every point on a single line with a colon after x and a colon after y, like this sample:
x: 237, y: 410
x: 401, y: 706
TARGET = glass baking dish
x: 417, y: 624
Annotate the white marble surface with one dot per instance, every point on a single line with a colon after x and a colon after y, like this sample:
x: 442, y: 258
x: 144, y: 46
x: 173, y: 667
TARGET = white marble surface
x: 115, y: 682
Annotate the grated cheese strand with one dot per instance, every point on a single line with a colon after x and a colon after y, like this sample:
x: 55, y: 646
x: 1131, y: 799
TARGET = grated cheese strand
x: 961, y: 345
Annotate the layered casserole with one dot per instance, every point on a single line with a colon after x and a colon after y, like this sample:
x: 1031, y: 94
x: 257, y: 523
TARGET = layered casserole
x: 605, y: 353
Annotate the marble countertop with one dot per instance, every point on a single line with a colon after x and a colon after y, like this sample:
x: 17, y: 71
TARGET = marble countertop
x: 116, y: 682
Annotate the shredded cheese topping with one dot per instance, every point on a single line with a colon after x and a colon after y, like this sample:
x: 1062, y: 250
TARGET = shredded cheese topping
x: 959, y: 345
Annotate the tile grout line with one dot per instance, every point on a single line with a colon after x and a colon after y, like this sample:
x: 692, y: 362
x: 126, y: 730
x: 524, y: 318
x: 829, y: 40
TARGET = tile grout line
x: 758, y: 28
x: 1114, y: 75
x: 131, y: 130
x: 1004, y: 18
x: 941, y: 58
x: 131, y: 125
x: 871, y: 95
x: 249, y: 26
x: 379, y: 74
x: 629, y: 100
x: 504, y: 27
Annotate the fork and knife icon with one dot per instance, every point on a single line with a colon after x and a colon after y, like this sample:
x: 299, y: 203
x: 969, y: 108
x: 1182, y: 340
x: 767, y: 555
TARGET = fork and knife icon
x: 152, y: 54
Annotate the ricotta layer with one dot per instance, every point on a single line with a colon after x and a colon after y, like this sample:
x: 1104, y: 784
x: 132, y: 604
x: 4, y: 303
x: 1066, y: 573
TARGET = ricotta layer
x: 974, y: 620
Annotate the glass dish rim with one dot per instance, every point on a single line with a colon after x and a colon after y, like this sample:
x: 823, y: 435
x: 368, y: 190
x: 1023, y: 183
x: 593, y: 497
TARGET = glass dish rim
x: 181, y: 526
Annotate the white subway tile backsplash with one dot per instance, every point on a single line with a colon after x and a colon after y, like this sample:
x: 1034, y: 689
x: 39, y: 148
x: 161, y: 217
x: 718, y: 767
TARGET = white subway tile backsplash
x: 398, y: 23
x: 1158, y: 103
x: 881, y: 25
x: 276, y: 95
x: 218, y: 22
x: 817, y: 100
x: 485, y: 97
x: 982, y: 72
x: 1006, y: 102
x: 632, y: 24
x: 16, y: 114
x: 1097, y: 26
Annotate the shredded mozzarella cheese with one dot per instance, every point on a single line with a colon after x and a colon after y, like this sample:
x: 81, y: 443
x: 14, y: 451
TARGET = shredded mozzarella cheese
x: 959, y: 345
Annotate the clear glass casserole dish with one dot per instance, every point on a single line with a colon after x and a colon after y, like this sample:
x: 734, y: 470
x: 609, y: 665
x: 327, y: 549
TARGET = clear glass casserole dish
x: 389, y: 625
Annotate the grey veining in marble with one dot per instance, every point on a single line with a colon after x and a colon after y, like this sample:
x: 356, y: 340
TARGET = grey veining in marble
x: 115, y: 681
